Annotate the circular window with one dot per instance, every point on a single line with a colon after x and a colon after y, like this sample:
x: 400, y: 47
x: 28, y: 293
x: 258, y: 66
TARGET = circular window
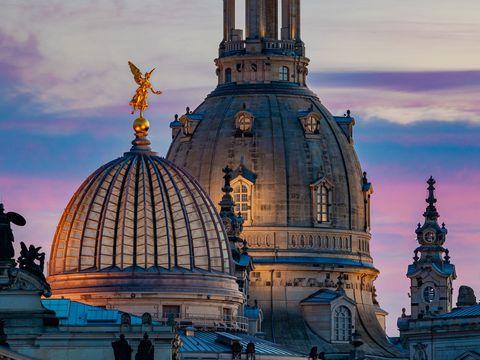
x: 245, y: 123
x: 429, y: 237
x: 429, y: 294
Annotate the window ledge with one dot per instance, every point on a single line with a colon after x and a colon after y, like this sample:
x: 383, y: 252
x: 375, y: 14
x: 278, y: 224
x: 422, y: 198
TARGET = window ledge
x: 323, y: 224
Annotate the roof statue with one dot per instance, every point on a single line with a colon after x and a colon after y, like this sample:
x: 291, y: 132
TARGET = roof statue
x: 145, y: 350
x: 176, y: 345
x: 29, y: 256
x: 139, y: 100
x: 121, y: 349
x: 6, y: 236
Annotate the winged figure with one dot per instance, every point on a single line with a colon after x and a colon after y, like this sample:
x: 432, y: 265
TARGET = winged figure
x: 139, y: 100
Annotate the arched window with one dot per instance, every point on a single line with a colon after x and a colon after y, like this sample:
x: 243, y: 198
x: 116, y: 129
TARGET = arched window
x: 242, y: 192
x: 322, y: 203
x: 283, y: 73
x: 342, y: 324
x: 228, y: 75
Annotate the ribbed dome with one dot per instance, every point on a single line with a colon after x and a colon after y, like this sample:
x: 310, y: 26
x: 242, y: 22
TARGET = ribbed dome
x: 140, y: 212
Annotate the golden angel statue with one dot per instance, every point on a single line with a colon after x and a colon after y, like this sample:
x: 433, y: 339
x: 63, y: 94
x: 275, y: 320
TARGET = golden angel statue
x: 139, y: 100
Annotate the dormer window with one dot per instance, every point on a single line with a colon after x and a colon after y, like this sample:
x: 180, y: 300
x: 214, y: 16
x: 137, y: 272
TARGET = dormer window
x: 186, y: 125
x: 311, y: 123
x: 322, y: 201
x: 342, y: 323
x: 244, y: 123
x: 323, y: 204
x: 283, y: 73
x: 242, y: 192
x: 189, y: 122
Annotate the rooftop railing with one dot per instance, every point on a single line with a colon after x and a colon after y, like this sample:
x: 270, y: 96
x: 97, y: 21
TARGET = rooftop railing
x: 207, y: 321
x: 271, y: 46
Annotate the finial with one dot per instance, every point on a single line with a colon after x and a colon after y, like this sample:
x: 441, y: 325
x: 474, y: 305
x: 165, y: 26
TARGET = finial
x: 176, y: 117
x: 187, y: 110
x: 227, y: 189
x: 404, y: 313
x: 365, y: 179
x: 245, y: 247
x: 416, y: 258
x: 141, y: 143
x: 348, y: 113
x: 227, y: 204
x: 431, y: 211
x: 2, y: 209
x: 447, y: 257
x: 340, y: 283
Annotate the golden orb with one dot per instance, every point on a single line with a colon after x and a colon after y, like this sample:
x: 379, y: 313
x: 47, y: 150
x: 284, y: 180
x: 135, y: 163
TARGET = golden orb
x: 141, y: 125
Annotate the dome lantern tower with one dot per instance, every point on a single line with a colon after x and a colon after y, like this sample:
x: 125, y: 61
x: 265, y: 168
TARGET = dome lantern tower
x: 262, y: 57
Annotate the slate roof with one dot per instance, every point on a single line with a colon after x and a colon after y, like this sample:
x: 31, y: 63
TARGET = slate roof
x: 324, y: 296
x: 468, y: 311
x: 446, y: 269
x: 73, y: 313
x: 206, y: 342
x: 312, y: 260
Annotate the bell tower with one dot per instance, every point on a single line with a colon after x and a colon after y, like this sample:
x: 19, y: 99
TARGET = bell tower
x: 431, y: 274
x: 262, y: 56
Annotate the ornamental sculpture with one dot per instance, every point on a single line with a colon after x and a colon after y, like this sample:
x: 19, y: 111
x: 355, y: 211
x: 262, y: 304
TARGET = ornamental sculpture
x: 6, y: 236
x: 139, y: 100
x: 28, y: 258
x: 145, y: 350
x: 122, y: 349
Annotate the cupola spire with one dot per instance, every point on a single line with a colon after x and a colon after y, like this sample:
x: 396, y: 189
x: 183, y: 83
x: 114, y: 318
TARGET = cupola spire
x: 431, y: 212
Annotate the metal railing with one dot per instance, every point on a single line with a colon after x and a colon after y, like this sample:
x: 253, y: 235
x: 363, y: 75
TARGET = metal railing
x: 206, y: 321
x: 279, y: 45
x: 238, y: 45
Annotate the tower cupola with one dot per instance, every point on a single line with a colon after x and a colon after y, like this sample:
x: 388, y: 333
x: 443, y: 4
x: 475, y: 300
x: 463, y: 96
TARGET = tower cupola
x: 431, y: 273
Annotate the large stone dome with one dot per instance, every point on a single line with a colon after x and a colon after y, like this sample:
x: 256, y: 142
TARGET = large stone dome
x: 142, y: 228
x: 297, y: 181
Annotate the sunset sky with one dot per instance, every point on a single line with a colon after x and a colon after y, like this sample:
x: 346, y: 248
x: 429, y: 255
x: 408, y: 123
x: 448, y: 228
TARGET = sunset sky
x: 408, y: 70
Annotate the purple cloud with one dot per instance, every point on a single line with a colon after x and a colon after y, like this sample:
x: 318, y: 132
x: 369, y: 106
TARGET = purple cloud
x: 410, y: 81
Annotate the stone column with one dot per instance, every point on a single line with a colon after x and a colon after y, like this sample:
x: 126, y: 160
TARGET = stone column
x: 228, y: 19
x: 255, y: 19
x: 295, y: 19
x: 271, y: 19
x: 291, y: 20
x: 285, y: 31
